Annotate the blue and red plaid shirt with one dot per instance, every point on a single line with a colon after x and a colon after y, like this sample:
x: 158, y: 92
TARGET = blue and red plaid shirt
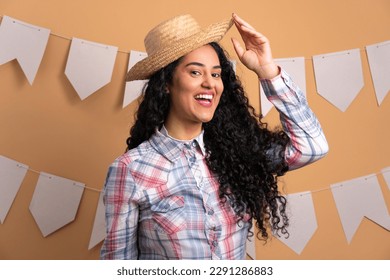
x: 162, y: 202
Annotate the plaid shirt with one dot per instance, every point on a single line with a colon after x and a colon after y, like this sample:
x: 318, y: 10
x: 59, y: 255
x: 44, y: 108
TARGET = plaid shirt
x: 163, y: 203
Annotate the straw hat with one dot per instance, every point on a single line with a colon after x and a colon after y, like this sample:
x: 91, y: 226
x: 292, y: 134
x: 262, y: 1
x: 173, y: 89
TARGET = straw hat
x: 171, y: 40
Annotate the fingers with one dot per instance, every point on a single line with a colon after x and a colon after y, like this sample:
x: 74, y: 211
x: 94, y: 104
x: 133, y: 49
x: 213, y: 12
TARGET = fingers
x: 245, y: 29
x: 238, y: 48
x: 239, y: 22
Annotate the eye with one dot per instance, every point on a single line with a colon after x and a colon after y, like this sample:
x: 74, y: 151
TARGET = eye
x: 195, y: 73
x: 216, y: 75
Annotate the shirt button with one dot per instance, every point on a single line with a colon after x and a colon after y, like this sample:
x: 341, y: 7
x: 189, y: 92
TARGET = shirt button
x: 211, y: 212
x: 215, y: 243
x: 194, y: 144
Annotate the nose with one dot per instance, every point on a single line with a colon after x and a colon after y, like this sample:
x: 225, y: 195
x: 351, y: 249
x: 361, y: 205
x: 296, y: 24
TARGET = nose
x: 208, y: 81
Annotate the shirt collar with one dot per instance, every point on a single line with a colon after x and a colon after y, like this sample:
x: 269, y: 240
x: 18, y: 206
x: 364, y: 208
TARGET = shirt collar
x: 170, y: 147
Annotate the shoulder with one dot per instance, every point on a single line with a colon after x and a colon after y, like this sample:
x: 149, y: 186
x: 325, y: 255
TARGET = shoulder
x: 144, y: 166
x: 134, y: 155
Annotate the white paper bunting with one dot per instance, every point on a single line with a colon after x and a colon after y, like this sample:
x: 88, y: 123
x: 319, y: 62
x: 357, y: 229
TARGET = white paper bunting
x: 134, y: 88
x: 234, y: 65
x: 251, y: 244
x: 55, y: 202
x: 303, y: 221
x: 295, y: 67
x: 339, y: 77
x: 379, y: 61
x: 24, y: 42
x: 386, y: 175
x: 12, y: 174
x: 89, y: 66
x: 359, y: 198
x: 99, y: 225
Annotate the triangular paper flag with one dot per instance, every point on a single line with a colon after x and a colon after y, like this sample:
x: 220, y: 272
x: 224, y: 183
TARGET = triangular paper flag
x: 12, y: 174
x: 359, y: 198
x: 386, y: 175
x: 133, y: 89
x: 234, y: 65
x: 24, y: 42
x: 379, y: 61
x: 302, y: 221
x: 251, y: 244
x: 99, y: 225
x: 295, y: 67
x: 55, y: 202
x: 339, y: 77
x: 89, y: 66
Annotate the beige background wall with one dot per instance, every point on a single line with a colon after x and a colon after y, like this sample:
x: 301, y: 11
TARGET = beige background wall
x: 48, y: 127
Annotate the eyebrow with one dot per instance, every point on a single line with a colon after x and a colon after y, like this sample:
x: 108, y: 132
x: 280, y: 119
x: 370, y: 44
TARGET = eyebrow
x: 202, y: 65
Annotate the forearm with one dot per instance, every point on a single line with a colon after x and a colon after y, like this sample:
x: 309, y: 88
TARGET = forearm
x: 307, y: 140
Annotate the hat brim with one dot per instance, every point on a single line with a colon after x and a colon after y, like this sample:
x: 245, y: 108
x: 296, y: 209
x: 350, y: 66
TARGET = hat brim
x: 143, y: 69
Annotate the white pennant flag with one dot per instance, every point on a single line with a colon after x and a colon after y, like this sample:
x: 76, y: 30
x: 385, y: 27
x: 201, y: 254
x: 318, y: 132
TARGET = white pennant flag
x: 359, y: 198
x: 251, y: 244
x: 386, y: 175
x: 339, y: 77
x: 12, y: 174
x: 99, y: 225
x: 133, y: 89
x: 379, y: 61
x: 24, y: 42
x: 295, y: 67
x: 55, y: 202
x: 89, y: 66
x: 302, y: 221
x: 234, y: 64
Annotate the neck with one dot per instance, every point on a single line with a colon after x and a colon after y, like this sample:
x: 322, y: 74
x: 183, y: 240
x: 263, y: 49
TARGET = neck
x: 183, y: 132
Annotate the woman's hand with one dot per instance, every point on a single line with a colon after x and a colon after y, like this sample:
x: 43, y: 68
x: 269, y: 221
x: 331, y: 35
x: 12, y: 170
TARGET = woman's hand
x: 257, y: 54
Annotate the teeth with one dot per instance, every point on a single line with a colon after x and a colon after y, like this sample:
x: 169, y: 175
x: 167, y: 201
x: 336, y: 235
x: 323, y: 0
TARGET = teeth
x: 204, y: 96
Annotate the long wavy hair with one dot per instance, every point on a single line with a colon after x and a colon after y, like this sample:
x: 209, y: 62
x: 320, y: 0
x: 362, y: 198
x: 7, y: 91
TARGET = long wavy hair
x: 245, y: 155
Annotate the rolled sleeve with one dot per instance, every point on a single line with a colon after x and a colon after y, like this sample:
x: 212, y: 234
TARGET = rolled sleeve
x: 120, y: 200
x: 307, y: 140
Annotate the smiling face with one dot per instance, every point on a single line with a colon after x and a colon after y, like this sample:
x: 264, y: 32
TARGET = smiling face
x: 195, y: 92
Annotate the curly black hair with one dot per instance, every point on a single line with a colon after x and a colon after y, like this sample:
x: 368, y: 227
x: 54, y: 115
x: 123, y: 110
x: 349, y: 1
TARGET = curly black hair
x: 245, y: 155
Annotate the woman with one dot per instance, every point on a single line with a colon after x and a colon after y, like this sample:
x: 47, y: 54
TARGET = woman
x: 200, y: 165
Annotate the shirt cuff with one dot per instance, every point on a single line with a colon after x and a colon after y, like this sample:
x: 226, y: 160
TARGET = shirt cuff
x: 275, y: 83
x: 282, y: 87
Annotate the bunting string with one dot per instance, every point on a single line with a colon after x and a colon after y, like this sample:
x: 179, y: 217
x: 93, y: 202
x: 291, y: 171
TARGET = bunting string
x: 341, y: 185
x: 40, y: 173
x: 302, y: 194
x: 68, y: 38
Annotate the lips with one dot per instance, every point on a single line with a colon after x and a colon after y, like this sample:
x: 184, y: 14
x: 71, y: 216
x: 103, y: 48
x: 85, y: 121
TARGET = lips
x: 204, y: 99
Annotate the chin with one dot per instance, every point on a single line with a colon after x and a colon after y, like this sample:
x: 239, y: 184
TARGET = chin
x: 206, y: 120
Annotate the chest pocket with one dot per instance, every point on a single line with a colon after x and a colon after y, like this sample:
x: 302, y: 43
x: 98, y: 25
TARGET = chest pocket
x: 169, y: 215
